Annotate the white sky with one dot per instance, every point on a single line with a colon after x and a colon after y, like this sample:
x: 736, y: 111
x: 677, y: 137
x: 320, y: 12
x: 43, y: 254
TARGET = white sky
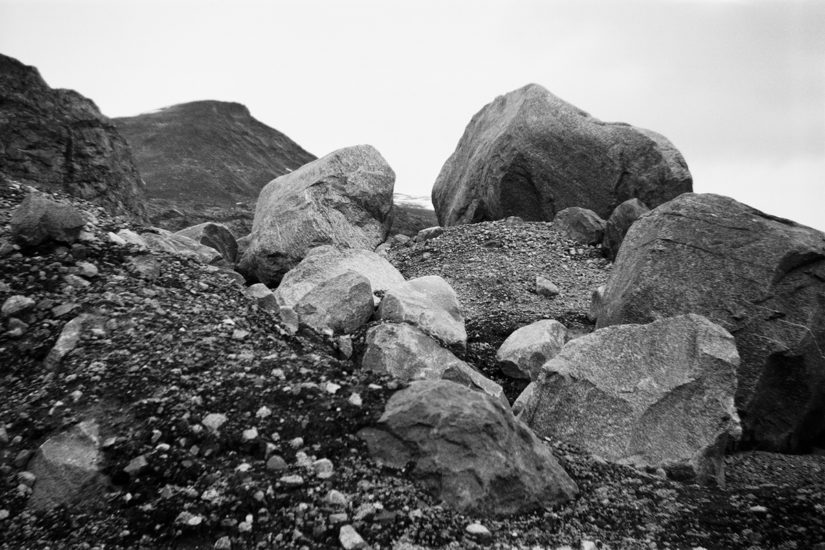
x: 737, y: 86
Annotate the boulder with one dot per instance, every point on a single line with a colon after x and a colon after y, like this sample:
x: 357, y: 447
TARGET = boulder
x: 326, y: 262
x: 214, y: 235
x: 57, y: 140
x: 430, y: 304
x: 39, y: 219
x: 760, y: 277
x: 531, y: 154
x: 428, y: 233
x: 657, y: 395
x: 161, y: 240
x: 618, y: 224
x: 406, y: 353
x: 468, y: 450
x: 546, y: 287
x: 340, y: 304
x: 343, y: 199
x: 524, y: 352
x: 67, y: 468
x: 580, y: 225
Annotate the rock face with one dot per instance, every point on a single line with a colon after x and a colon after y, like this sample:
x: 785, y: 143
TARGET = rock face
x: 58, y: 140
x: 468, y: 450
x: 340, y: 304
x: 430, y: 304
x: 761, y: 278
x: 67, y: 467
x: 619, y: 223
x: 524, y: 352
x: 657, y: 395
x: 343, y: 199
x: 580, y: 224
x: 406, y: 353
x: 325, y: 262
x: 39, y: 219
x: 214, y: 235
x: 531, y: 154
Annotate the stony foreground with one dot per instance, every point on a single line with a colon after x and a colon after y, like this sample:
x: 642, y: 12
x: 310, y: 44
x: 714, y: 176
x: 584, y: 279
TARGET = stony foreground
x: 175, y: 347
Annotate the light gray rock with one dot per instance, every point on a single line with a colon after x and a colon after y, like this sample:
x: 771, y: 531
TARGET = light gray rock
x: 531, y: 154
x: 658, y: 395
x: 350, y: 539
x: 619, y: 223
x: 760, y: 277
x: 580, y: 224
x: 16, y: 305
x: 406, y: 353
x: 429, y: 233
x: 468, y: 450
x: 340, y: 304
x: 214, y: 235
x: 546, y: 287
x: 69, y: 338
x: 430, y: 304
x: 263, y: 296
x: 325, y: 262
x: 343, y: 199
x: 161, y: 240
x: 524, y: 352
x: 39, y: 219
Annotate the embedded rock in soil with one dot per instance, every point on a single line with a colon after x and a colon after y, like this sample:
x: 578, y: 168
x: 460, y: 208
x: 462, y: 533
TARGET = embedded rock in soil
x: 39, y: 219
x: 531, y: 154
x: 657, y: 395
x: 524, y: 352
x: 343, y: 199
x: 325, y: 262
x: 263, y: 296
x: 760, y: 277
x: 580, y: 224
x: 468, y: 450
x: 619, y: 223
x: 214, y: 235
x: 405, y: 352
x: 340, y: 304
x: 430, y: 304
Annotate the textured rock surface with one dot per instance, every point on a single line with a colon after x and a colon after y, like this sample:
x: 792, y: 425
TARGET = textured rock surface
x: 344, y: 199
x: 760, y: 277
x: 340, y: 304
x: 39, y: 219
x: 531, y: 154
x: 214, y: 235
x: 524, y: 352
x: 59, y: 140
x: 405, y: 352
x: 160, y: 240
x: 325, y: 262
x: 67, y: 467
x: 580, y: 224
x: 658, y: 395
x: 619, y: 223
x: 468, y: 450
x: 430, y: 304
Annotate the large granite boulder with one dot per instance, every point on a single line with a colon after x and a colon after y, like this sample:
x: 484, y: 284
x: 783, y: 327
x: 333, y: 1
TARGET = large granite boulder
x: 429, y: 303
x: 524, y: 352
x: 340, y: 304
x: 658, y: 395
x: 39, y: 219
x: 214, y: 235
x: 580, y: 224
x: 58, y: 140
x: 343, y: 199
x: 760, y: 277
x: 468, y: 450
x: 531, y: 154
x: 325, y: 262
x: 619, y: 223
x: 406, y: 353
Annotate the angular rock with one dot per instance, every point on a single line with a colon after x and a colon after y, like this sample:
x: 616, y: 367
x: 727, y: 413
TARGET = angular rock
x: 15, y: 305
x: 619, y: 223
x: 760, y: 277
x: 658, y: 395
x: 430, y: 304
x: 524, y: 352
x: 343, y: 199
x: 580, y: 224
x: 596, y: 304
x: 428, y: 233
x: 340, y: 304
x: 546, y: 287
x: 468, y: 450
x: 68, y: 339
x: 39, y: 219
x: 161, y: 240
x: 263, y: 296
x: 67, y: 467
x: 214, y: 235
x: 531, y: 154
x: 58, y: 140
x: 406, y: 353
x: 325, y: 262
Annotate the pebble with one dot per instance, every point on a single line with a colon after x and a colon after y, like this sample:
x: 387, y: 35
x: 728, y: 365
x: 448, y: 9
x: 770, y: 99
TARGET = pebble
x: 339, y: 517
x: 336, y: 498
x: 246, y: 525
x: 263, y: 412
x: 214, y: 421
x: 4, y: 435
x: 4, y: 514
x: 545, y: 287
x: 355, y: 400
x: 479, y: 532
x: 758, y: 509
x: 239, y: 334
x: 15, y: 305
x: 350, y: 539
x: 136, y: 465
x: 223, y: 543
x: 87, y: 269
x: 323, y: 468
x: 250, y: 435
x: 276, y: 463
x: 332, y: 388
x: 296, y: 443
x: 27, y: 478
x: 292, y: 481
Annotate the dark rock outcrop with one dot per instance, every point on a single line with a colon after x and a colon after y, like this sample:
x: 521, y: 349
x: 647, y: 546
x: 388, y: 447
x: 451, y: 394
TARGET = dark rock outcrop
x: 760, y: 277
x: 531, y: 154
x: 57, y: 140
x: 619, y: 223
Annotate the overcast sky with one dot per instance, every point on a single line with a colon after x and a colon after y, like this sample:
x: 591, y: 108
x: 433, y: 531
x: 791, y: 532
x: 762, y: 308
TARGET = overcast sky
x: 737, y: 86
